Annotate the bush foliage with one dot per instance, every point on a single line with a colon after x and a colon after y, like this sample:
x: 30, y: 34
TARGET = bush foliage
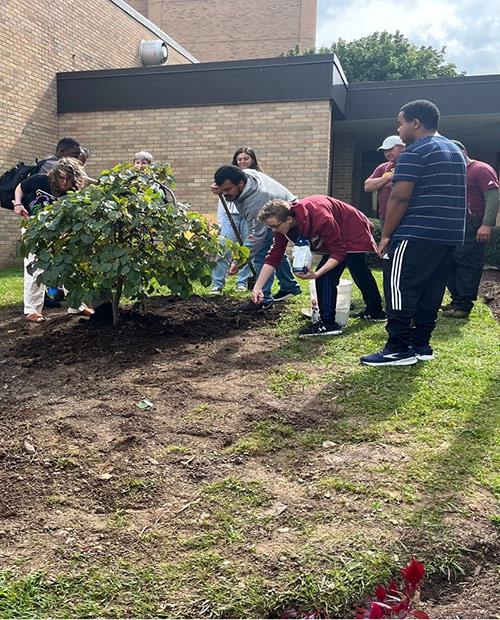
x: 121, y: 236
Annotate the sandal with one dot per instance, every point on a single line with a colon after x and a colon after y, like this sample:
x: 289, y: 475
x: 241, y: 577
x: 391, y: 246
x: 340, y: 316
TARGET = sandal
x: 35, y: 317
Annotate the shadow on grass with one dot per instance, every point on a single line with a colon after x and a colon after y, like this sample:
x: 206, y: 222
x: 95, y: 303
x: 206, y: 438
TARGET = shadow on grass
x: 453, y: 475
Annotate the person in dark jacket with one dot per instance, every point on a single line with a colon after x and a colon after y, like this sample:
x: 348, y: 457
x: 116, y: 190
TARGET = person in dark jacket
x: 35, y: 192
x: 337, y: 231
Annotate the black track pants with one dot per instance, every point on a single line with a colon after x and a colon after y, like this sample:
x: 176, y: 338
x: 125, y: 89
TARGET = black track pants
x: 467, y: 268
x: 415, y: 275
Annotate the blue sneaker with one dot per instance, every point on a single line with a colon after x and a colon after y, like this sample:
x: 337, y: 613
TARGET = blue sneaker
x: 386, y: 357
x: 424, y: 353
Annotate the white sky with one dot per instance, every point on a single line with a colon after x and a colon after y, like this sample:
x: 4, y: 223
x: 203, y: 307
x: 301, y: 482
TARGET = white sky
x: 470, y: 29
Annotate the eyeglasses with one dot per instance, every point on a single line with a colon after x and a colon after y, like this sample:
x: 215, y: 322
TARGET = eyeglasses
x: 276, y: 226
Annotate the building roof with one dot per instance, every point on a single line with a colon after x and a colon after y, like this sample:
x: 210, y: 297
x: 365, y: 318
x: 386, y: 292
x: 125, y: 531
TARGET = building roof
x: 367, y: 111
x: 297, y: 78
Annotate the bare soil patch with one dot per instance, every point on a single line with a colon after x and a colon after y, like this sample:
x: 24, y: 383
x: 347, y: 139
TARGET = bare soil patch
x: 75, y: 448
x: 87, y: 476
x: 490, y: 290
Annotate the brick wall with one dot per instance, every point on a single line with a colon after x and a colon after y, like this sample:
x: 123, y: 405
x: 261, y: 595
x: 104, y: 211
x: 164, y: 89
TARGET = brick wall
x: 234, y: 29
x: 38, y: 39
x: 343, y: 156
x: 292, y: 141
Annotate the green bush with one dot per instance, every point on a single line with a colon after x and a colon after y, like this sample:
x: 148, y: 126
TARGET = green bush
x: 121, y: 236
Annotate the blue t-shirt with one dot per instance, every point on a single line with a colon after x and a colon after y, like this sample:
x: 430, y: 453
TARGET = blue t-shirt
x: 438, y: 204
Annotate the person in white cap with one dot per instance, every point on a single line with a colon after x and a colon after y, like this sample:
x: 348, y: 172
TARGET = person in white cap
x: 380, y: 180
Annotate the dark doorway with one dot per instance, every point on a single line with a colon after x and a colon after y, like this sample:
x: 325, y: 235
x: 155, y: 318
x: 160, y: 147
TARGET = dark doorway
x: 369, y: 161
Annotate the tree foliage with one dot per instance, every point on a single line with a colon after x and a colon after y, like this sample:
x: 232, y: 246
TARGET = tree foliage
x: 121, y: 236
x: 386, y: 56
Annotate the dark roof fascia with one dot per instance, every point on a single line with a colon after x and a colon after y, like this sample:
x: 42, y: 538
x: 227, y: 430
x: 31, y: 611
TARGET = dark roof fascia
x: 477, y: 94
x: 298, y: 78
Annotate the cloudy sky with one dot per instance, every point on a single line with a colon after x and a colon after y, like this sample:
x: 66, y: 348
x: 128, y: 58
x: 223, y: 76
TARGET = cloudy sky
x: 470, y: 29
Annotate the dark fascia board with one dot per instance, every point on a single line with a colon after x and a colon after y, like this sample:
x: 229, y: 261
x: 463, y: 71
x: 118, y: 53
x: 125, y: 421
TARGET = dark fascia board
x: 298, y: 78
x: 478, y: 94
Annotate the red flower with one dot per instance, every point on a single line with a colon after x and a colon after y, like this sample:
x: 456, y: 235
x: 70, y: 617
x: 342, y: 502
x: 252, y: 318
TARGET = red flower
x: 419, y: 614
x: 392, y: 588
x: 402, y: 606
x: 376, y: 611
x: 413, y: 572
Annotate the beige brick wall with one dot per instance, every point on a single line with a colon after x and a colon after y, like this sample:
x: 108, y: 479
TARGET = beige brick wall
x: 234, y: 29
x: 292, y: 141
x: 343, y: 155
x: 37, y: 39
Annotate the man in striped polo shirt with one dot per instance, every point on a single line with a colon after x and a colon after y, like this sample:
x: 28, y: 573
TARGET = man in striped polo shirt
x: 425, y: 221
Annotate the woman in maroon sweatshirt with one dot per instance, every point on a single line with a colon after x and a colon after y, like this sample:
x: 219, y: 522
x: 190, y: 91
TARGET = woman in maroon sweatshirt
x: 337, y: 231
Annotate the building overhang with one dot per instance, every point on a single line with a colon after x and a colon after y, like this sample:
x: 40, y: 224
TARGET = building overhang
x: 463, y: 95
x: 468, y: 106
x: 297, y: 78
x: 365, y: 111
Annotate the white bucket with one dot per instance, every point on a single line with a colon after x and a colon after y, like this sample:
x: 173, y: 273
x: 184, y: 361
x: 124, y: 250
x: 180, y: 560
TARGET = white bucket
x: 344, y: 294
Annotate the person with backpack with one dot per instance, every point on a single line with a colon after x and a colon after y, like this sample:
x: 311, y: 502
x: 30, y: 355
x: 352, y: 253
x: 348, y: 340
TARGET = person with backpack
x: 40, y: 190
x: 10, y: 180
x: 66, y: 147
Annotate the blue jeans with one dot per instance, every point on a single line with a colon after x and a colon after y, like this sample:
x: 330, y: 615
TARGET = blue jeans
x: 219, y: 272
x: 287, y: 282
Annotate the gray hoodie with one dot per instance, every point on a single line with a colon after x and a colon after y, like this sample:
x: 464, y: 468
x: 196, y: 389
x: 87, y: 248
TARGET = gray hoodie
x: 258, y: 190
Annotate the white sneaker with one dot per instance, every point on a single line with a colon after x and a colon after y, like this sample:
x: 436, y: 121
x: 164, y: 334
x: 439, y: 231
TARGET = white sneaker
x: 215, y: 290
x: 241, y: 288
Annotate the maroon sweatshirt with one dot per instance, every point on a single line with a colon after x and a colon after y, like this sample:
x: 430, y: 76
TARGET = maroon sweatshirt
x: 332, y: 227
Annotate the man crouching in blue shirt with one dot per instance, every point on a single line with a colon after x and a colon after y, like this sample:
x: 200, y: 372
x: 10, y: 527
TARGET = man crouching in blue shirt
x: 425, y: 220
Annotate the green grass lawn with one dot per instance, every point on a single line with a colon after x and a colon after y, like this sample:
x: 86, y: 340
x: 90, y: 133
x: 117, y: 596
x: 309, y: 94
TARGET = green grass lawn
x: 11, y: 286
x: 421, y: 476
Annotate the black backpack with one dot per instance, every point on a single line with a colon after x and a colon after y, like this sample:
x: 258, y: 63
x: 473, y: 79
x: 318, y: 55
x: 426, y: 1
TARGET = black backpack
x: 11, y: 179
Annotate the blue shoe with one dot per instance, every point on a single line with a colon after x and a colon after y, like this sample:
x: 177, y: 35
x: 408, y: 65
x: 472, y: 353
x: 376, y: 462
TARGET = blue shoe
x: 424, y: 353
x: 386, y: 357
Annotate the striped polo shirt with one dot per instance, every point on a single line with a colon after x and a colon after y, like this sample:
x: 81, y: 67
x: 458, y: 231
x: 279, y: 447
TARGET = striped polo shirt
x: 438, y: 205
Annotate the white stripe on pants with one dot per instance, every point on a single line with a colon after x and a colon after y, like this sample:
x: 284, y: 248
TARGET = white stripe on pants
x: 34, y: 294
x: 397, y: 263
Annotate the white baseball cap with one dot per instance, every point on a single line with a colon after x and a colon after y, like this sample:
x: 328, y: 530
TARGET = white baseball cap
x: 389, y: 142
